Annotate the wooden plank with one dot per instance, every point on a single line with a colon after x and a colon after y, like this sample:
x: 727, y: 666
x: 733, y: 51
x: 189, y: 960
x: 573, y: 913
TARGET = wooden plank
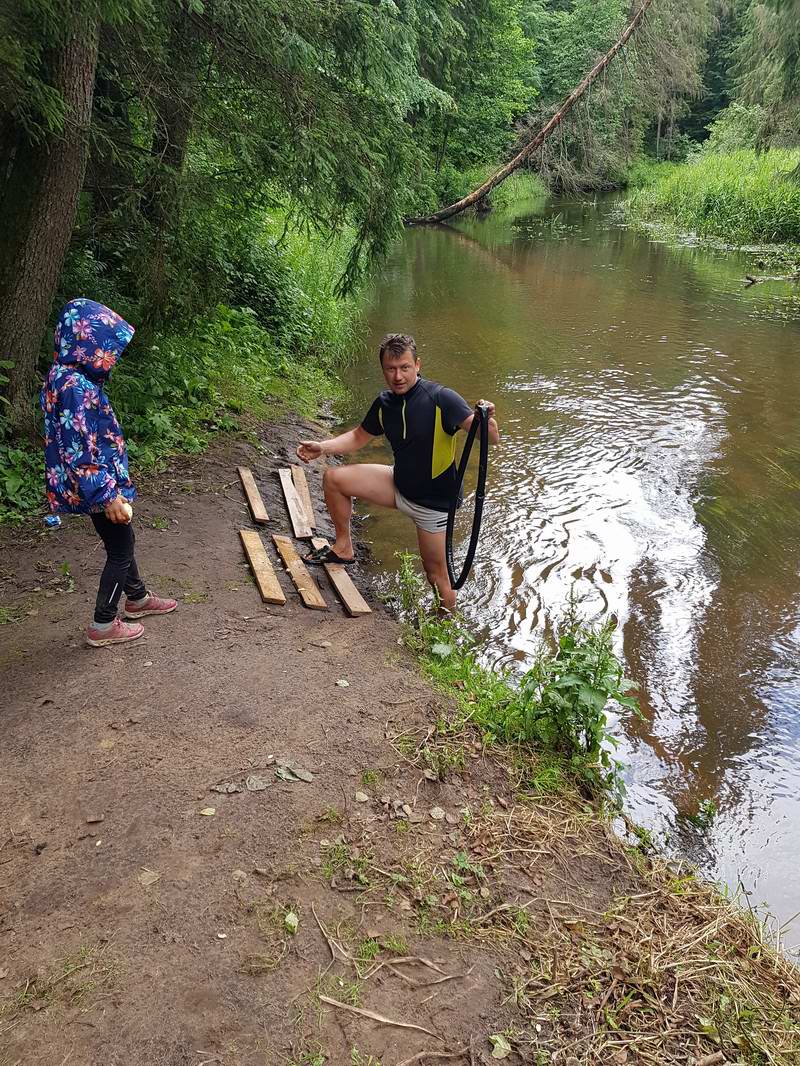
x: 266, y: 578
x: 303, y: 581
x: 300, y: 483
x: 256, y: 504
x: 352, y: 600
x: 297, y: 511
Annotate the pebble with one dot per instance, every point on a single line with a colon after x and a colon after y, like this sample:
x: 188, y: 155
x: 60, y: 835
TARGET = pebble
x: 361, y: 797
x: 437, y: 813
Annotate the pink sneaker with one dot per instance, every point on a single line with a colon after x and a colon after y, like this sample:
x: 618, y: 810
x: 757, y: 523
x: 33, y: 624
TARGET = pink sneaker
x: 152, y: 605
x: 119, y: 633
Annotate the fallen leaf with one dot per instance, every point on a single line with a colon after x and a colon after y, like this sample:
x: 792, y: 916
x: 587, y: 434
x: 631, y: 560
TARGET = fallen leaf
x: 107, y: 744
x: 291, y: 921
x: 442, y: 650
x: 430, y: 775
x: 208, y: 812
x: 148, y: 877
x: 501, y: 1048
x: 320, y: 643
x: 3, y: 973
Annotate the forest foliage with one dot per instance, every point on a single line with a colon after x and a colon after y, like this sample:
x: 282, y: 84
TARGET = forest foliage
x: 227, y: 146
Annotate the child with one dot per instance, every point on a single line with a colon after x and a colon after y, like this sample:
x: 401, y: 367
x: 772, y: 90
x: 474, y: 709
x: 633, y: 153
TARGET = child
x: 87, y: 464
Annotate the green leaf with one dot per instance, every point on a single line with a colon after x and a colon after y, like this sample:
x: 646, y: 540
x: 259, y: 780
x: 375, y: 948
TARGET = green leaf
x: 501, y: 1048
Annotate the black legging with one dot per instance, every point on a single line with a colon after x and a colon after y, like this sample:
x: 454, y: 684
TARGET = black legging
x: 120, y: 572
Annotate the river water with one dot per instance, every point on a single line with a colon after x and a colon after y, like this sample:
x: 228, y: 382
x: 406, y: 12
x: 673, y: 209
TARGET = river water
x: 650, y: 460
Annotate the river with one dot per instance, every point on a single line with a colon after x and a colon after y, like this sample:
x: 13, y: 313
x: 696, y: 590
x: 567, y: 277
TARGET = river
x: 648, y: 405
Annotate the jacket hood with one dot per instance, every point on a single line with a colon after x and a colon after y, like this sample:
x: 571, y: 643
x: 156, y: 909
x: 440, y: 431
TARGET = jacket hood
x: 91, y: 338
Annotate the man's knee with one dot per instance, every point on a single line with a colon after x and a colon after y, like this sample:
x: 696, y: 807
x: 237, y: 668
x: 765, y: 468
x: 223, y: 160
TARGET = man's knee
x: 332, y: 478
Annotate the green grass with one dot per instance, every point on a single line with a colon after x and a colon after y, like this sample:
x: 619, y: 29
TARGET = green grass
x: 557, y: 708
x: 740, y: 197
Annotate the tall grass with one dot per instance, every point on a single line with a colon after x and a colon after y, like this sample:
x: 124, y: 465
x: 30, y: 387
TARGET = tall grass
x: 740, y: 197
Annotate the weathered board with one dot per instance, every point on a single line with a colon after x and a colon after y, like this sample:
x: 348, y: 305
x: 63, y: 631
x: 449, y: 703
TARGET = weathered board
x: 256, y: 504
x: 266, y: 578
x: 301, y: 484
x: 297, y: 512
x: 303, y: 581
x: 352, y: 600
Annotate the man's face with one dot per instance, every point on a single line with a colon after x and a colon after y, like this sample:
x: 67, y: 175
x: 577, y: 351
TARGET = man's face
x: 400, y: 371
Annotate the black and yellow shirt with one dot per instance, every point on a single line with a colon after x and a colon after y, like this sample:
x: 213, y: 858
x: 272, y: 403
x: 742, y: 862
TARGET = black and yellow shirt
x: 421, y: 425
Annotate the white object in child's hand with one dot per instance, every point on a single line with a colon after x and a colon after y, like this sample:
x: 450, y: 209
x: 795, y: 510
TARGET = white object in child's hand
x: 126, y: 507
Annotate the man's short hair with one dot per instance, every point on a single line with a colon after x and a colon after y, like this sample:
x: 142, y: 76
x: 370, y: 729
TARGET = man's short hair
x: 397, y: 344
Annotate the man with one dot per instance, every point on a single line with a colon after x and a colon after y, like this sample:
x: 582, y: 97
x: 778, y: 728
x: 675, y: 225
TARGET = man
x: 420, y: 420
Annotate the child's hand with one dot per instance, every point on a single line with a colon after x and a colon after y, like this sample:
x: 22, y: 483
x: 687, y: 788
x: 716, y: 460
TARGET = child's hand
x: 119, y: 511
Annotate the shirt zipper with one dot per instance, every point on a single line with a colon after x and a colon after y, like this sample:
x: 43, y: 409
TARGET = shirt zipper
x: 404, y: 418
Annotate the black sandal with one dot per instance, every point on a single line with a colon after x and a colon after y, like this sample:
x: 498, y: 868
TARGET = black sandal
x: 326, y: 555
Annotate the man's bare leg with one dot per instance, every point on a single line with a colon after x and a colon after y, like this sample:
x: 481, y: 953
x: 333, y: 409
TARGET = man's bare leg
x: 367, y: 481
x: 431, y: 550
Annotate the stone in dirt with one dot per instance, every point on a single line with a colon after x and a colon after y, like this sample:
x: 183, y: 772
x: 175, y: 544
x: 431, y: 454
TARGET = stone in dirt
x: 255, y: 783
x: 437, y: 813
x: 361, y: 797
x: 285, y: 772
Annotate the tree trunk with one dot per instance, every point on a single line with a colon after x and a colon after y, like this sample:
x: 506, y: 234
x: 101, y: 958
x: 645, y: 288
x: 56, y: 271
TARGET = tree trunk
x: 504, y: 172
x: 37, y: 213
x: 175, y: 104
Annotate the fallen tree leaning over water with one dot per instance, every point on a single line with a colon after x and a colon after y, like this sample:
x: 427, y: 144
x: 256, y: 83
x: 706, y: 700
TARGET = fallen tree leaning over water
x: 521, y: 157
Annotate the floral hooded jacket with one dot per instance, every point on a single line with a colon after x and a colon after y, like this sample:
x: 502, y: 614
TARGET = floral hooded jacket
x: 85, y: 455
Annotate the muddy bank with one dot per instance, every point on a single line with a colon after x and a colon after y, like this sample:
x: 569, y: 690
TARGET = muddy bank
x: 417, y: 875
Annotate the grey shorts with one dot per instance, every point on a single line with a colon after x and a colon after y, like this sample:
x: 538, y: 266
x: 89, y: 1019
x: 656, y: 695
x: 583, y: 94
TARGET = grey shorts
x: 424, y: 517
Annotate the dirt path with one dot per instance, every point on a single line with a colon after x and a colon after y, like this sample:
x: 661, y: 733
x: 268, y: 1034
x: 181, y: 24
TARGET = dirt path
x: 135, y: 929
x: 136, y: 736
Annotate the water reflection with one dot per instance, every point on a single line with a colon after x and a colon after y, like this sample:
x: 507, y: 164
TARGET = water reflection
x: 649, y: 461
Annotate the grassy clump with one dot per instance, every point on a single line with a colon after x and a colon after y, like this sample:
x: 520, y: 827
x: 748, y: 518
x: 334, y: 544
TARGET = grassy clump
x: 740, y: 197
x: 559, y: 705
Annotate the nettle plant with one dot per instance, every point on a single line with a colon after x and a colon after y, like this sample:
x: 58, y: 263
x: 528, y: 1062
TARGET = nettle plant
x: 564, y: 697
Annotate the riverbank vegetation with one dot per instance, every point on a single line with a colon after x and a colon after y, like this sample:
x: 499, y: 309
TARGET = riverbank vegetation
x: 740, y: 197
x: 713, y: 985
x: 558, y: 706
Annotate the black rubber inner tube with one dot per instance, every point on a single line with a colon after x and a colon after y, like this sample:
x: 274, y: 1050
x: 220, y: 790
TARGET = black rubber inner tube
x: 480, y: 424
